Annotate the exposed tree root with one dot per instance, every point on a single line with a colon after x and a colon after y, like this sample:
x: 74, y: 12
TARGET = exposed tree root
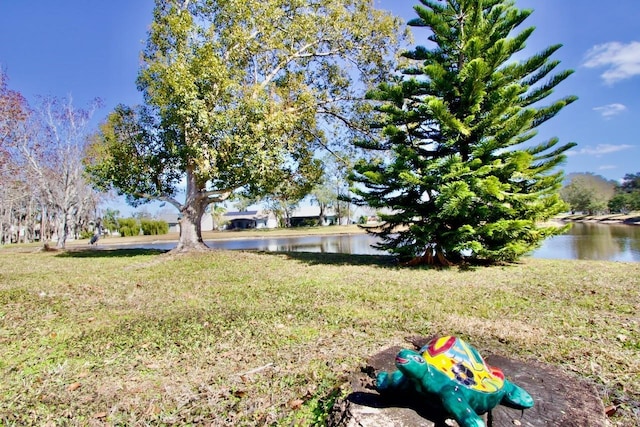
x: 47, y: 248
x: 191, y: 247
x: 431, y: 258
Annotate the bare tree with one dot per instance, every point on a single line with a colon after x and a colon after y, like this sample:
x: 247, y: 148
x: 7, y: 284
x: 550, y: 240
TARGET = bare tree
x: 54, y: 151
x: 15, y: 191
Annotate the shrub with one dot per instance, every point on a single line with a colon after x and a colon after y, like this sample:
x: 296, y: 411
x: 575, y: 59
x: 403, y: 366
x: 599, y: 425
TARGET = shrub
x: 152, y: 227
x: 129, y: 227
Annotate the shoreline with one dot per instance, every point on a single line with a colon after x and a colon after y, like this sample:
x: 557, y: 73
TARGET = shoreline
x: 623, y: 219
x: 228, y: 235
x: 632, y: 219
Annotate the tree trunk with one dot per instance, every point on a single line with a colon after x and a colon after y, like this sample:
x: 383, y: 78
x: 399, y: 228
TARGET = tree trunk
x: 191, y: 231
x: 192, y: 212
x: 321, y: 216
x: 63, y: 231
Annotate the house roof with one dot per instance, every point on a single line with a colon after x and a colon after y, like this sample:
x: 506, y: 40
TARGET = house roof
x: 241, y: 213
x: 244, y: 215
x: 310, y: 211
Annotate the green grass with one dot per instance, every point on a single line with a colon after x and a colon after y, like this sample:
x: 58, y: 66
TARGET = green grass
x: 134, y: 337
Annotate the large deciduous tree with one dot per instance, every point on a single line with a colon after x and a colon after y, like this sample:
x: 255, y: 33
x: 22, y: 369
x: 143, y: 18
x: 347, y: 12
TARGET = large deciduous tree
x: 456, y: 169
x: 231, y: 89
x: 588, y: 193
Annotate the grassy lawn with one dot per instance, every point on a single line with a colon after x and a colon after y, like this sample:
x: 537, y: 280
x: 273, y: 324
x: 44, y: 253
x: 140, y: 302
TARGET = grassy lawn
x: 135, y: 337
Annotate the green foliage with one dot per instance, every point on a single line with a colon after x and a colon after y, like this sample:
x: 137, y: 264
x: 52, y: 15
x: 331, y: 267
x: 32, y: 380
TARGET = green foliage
x: 293, y: 184
x: 453, y: 176
x: 129, y: 227
x: 152, y: 227
x: 86, y: 234
x: 110, y: 219
x: 218, y: 217
x: 627, y: 195
x: 623, y: 202
x: 588, y: 193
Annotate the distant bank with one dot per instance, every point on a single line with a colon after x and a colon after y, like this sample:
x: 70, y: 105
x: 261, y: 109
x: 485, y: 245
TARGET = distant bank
x: 632, y: 218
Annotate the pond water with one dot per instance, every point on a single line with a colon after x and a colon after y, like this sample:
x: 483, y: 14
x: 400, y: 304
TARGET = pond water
x: 612, y: 242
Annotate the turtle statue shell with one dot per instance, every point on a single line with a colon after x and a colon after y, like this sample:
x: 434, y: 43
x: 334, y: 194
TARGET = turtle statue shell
x: 453, y: 370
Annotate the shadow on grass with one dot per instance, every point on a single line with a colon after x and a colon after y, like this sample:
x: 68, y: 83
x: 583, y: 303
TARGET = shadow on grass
x: 109, y: 253
x: 383, y: 261
x: 311, y: 258
x: 315, y: 258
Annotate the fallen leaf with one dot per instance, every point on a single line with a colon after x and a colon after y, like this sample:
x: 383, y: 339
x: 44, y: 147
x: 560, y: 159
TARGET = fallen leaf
x: 152, y: 410
x: 74, y: 386
x: 100, y: 415
x: 610, y: 410
x: 295, y: 404
x: 516, y: 423
x: 240, y: 393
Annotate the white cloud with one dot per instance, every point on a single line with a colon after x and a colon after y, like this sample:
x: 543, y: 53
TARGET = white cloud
x: 607, y: 167
x: 621, y: 60
x: 600, y: 149
x: 608, y: 111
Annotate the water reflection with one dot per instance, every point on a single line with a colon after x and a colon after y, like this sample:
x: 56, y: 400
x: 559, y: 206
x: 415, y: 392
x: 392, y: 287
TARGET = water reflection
x: 346, y: 244
x: 588, y: 241
x: 612, y: 242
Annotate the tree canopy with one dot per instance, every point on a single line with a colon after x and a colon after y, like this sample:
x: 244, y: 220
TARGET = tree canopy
x: 456, y: 175
x: 587, y: 192
x: 627, y: 194
x: 232, y: 89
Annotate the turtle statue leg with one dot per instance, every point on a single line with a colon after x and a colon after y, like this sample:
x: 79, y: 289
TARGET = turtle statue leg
x: 516, y: 396
x: 393, y: 381
x: 456, y: 404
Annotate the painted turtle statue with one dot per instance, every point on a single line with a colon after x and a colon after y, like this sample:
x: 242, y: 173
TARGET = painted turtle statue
x: 454, y: 371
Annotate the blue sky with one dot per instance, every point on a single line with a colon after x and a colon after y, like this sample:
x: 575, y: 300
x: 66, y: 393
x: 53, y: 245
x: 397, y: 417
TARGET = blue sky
x: 91, y: 49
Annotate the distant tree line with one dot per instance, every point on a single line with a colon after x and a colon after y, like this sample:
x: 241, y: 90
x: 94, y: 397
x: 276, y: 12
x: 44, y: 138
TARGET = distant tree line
x: 593, y: 194
x: 132, y: 226
x: 627, y: 195
x: 44, y: 192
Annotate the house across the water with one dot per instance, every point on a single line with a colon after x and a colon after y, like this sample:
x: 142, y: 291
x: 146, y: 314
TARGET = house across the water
x: 250, y: 219
x: 302, y: 216
x: 243, y: 220
x: 173, y: 219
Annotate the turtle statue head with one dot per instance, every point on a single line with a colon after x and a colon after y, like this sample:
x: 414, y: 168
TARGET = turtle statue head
x: 412, y: 364
x: 450, y: 369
